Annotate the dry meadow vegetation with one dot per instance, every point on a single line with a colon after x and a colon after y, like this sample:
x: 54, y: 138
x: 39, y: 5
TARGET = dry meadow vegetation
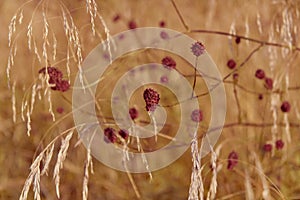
x: 256, y: 47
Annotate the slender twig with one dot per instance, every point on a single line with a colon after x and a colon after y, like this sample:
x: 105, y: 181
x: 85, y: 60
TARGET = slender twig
x: 195, y: 76
x: 244, y: 62
x: 228, y: 75
x: 180, y: 16
x: 245, y: 38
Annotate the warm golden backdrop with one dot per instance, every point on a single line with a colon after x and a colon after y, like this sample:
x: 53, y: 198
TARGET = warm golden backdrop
x: 269, y: 40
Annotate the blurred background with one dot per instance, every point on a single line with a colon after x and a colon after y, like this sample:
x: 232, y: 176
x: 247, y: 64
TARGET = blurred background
x: 259, y: 128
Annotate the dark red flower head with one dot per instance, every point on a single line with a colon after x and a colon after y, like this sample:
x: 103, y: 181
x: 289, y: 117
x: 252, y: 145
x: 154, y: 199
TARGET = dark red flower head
x: 162, y: 23
x: 132, y: 24
x: 116, y: 18
x: 232, y: 160
x: 62, y: 85
x: 197, y: 115
x: 198, y: 48
x: 56, y: 78
x: 260, y: 74
x: 168, y: 62
x: 231, y: 64
x: 164, y: 35
x: 285, y: 106
x: 124, y: 134
x: 110, y: 135
x: 269, y: 83
x: 133, y: 113
x: 267, y: 147
x: 55, y: 74
x: 279, y: 144
x: 151, y: 98
x: 60, y: 110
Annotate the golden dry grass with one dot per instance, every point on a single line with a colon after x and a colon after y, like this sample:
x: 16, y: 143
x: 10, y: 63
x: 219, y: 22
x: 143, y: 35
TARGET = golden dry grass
x: 269, y: 40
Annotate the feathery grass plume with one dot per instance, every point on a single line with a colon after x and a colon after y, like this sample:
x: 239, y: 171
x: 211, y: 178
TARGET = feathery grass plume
x: 247, y: 29
x: 13, y: 101
x: 33, y: 94
x: 46, y: 155
x: 88, y: 164
x: 258, y: 23
x: 213, y: 184
x: 23, y: 108
x: 287, y: 128
x: 73, y: 39
x: 60, y: 159
x: 144, y: 159
x: 139, y: 148
x: 109, y: 39
x: 54, y: 47
x: 45, y: 36
x: 47, y: 160
x: 18, y: 16
x: 287, y: 29
x: 50, y: 103
x: 266, y: 189
x: 215, y: 168
x: 125, y: 158
x: 36, y: 184
x: 272, y: 51
x: 32, y: 177
x: 273, y: 108
x: 154, y: 125
x: 28, y: 121
x: 196, y: 190
x: 32, y: 42
x: 232, y: 30
x: 12, y: 28
x: 91, y: 8
x: 248, y: 186
x: 28, y: 108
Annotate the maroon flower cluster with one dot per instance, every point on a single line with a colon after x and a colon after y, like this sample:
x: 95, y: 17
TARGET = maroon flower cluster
x: 151, y: 98
x: 285, y: 106
x: 260, y: 74
x: 55, y: 78
x: 279, y: 144
x: 198, y: 49
x: 269, y: 83
x: 123, y: 133
x: 197, y: 115
x: 267, y: 147
x: 231, y: 64
x: 133, y: 113
x: 235, y: 76
x: 116, y: 18
x: 232, y: 160
x: 164, y: 35
x: 111, y: 136
x: 60, y: 110
x: 168, y: 62
x: 132, y: 25
x: 237, y: 40
x: 162, y: 23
